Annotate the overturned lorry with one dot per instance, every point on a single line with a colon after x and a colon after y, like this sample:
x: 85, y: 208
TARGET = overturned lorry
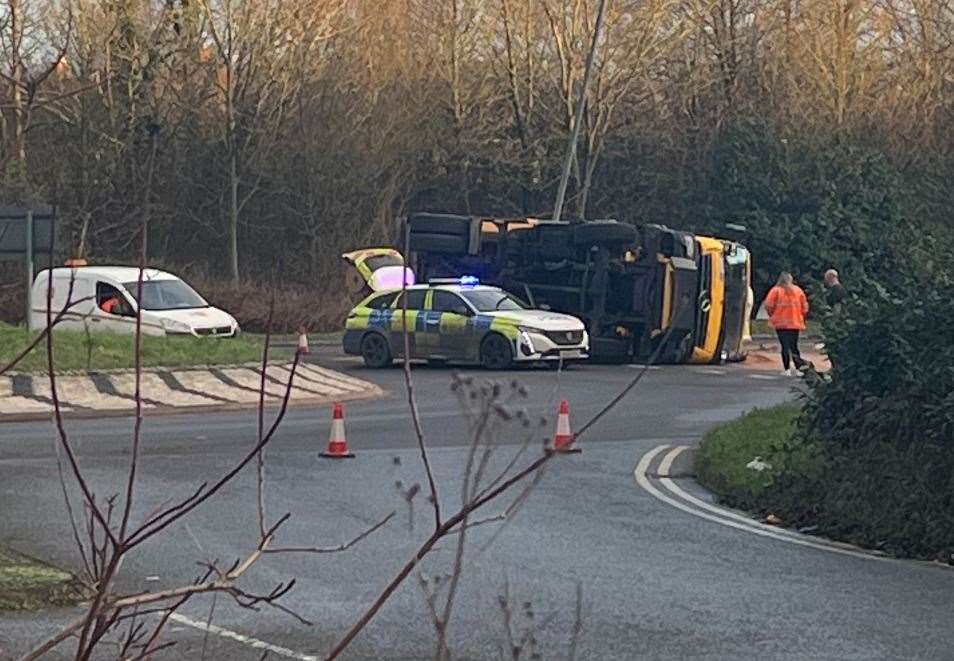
x: 642, y: 292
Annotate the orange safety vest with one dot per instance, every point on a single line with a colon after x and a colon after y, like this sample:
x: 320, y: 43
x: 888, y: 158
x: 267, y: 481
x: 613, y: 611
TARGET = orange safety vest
x: 109, y: 305
x: 787, y: 307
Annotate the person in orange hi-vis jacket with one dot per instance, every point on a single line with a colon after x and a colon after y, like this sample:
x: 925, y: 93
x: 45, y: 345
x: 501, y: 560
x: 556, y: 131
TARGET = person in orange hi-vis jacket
x: 787, y: 306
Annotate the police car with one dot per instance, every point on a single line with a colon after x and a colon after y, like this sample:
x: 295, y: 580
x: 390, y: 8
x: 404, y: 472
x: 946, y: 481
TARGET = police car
x: 456, y: 320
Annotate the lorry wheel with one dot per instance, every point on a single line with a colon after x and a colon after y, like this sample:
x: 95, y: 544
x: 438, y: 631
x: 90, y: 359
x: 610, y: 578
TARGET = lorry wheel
x: 439, y: 223
x: 496, y: 352
x: 604, y: 233
x: 445, y: 243
x: 376, y: 351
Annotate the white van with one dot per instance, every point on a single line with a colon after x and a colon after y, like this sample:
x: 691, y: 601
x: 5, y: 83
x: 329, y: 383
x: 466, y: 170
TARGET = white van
x: 107, y: 296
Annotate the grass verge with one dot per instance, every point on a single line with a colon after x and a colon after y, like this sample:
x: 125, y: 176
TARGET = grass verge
x: 74, y: 351
x: 27, y: 585
x: 872, y: 496
x: 722, y: 460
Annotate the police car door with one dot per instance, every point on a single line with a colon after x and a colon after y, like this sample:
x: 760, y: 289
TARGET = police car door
x: 455, y: 329
x: 414, y: 318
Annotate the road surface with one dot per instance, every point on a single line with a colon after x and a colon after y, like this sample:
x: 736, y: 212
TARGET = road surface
x: 661, y: 576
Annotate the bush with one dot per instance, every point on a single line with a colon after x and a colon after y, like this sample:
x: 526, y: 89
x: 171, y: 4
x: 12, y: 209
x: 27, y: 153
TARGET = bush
x: 809, y: 203
x: 316, y: 308
x: 885, y: 418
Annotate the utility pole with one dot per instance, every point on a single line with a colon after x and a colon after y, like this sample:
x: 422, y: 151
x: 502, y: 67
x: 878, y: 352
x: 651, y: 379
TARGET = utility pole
x: 578, y: 116
x: 29, y: 262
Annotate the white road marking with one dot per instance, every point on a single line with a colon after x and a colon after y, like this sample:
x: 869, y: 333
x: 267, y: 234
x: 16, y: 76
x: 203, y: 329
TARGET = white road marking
x: 764, y: 377
x: 643, y: 481
x: 663, y: 472
x: 666, y: 464
x: 244, y: 640
x: 712, y: 370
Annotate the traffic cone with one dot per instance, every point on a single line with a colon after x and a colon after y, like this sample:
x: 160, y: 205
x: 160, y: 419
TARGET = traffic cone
x: 337, y: 445
x: 563, y: 439
x: 303, y: 341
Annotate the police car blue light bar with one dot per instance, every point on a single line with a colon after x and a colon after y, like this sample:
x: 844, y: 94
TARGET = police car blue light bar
x: 463, y: 281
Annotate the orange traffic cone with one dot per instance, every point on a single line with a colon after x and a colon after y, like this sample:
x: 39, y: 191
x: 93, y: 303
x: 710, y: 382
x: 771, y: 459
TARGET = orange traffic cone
x: 563, y: 439
x: 337, y: 445
x: 303, y: 341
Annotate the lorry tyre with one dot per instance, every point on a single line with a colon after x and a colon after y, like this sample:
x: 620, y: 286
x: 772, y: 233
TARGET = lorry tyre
x: 444, y: 243
x: 553, y: 243
x: 496, y: 352
x: 604, y: 234
x: 440, y: 223
x: 376, y: 351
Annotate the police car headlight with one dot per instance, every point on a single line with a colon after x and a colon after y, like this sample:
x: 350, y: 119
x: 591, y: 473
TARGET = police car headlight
x: 525, y: 339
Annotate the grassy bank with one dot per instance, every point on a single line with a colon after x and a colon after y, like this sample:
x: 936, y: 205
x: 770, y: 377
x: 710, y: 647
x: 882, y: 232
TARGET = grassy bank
x: 721, y: 463
x: 26, y: 584
x: 871, y: 495
x: 101, y: 351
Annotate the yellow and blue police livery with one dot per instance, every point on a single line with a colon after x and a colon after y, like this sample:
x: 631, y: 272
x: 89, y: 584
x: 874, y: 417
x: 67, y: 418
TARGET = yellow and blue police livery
x: 462, y: 321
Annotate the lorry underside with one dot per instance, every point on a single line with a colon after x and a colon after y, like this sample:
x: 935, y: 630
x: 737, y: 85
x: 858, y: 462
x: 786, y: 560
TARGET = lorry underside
x: 635, y: 290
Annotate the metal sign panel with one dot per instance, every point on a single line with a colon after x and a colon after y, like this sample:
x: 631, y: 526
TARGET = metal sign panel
x: 13, y: 232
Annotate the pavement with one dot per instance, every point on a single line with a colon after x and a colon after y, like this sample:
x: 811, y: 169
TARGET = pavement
x: 662, y: 576
x: 96, y: 394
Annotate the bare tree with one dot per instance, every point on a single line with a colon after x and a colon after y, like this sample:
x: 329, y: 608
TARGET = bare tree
x: 29, y: 62
x: 255, y: 48
x: 637, y: 35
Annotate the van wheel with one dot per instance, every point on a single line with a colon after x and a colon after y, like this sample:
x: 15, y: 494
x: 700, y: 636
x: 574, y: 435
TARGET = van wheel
x: 375, y: 351
x: 496, y: 353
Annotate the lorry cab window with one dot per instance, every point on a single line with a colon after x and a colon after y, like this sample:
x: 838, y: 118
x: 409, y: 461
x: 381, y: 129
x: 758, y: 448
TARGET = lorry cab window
x: 166, y: 295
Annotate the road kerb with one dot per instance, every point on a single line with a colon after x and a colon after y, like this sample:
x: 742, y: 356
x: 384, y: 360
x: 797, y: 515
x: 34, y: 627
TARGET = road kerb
x: 722, y: 517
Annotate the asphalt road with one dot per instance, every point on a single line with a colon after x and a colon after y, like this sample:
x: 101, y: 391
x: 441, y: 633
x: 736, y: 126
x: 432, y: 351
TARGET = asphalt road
x: 657, y: 581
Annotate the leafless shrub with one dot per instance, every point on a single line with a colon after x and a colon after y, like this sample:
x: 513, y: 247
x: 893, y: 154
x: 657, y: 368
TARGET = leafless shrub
x: 107, y: 531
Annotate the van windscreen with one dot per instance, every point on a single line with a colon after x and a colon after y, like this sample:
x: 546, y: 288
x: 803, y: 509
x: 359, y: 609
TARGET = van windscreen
x: 166, y: 295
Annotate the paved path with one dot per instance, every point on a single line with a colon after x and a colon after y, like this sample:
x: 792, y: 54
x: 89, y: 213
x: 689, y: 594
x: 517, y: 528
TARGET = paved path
x: 659, y: 581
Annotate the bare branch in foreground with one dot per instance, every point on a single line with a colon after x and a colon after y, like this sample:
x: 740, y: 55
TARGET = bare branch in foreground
x: 260, y: 457
x: 478, y: 500
x: 409, y: 389
x: 334, y: 549
x: 107, y: 610
x: 50, y: 322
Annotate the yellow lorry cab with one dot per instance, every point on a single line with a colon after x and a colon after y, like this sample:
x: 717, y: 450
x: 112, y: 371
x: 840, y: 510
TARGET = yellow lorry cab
x: 738, y: 303
x: 711, y: 308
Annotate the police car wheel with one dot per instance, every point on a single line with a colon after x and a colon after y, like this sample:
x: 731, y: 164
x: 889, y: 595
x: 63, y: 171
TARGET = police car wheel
x: 375, y: 350
x: 496, y: 352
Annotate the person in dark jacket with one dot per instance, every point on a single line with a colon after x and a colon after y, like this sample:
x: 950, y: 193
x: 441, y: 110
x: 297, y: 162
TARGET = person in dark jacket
x: 836, y: 291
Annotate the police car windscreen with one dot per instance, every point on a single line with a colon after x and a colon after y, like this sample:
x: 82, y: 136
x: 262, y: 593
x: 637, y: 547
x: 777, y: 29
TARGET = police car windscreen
x: 491, y: 301
x: 166, y: 295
